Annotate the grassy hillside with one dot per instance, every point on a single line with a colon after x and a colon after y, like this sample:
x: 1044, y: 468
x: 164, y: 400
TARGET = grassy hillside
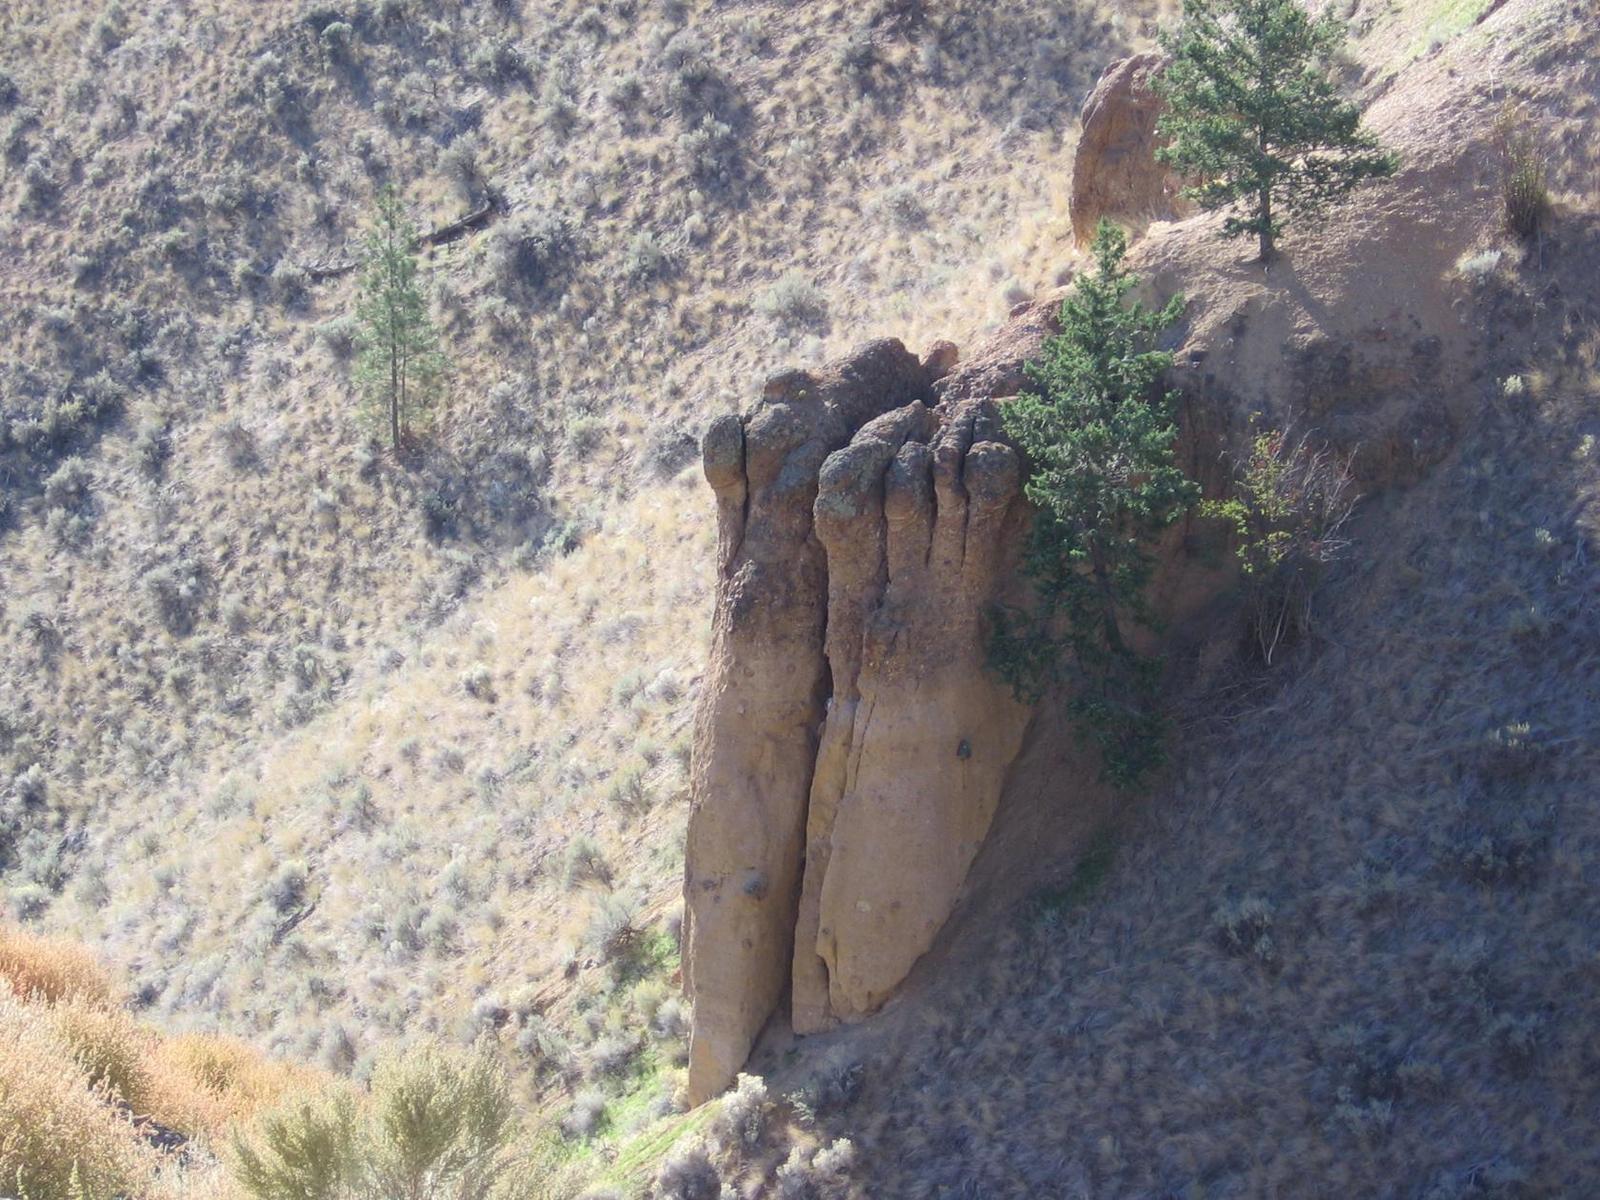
x: 326, y: 748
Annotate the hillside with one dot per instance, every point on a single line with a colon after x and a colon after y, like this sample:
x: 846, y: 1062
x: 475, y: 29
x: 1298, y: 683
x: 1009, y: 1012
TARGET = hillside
x: 232, y: 625
x: 329, y: 749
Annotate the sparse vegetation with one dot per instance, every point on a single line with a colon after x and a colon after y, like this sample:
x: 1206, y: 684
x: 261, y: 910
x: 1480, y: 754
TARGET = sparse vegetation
x: 1524, y: 172
x: 1293, y: 500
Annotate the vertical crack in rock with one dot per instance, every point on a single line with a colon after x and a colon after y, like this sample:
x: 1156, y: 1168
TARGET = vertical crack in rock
x: 927, y: 734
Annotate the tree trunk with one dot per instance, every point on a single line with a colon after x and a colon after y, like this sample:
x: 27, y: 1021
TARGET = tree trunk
x: 1265, y: 219
x: 394, y: 399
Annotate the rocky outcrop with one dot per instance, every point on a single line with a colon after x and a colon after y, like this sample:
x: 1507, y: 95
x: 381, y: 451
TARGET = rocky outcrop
x: 1114, y: 169
x: 765, y: 692
x: 849, y: 748
x: 918, y: 518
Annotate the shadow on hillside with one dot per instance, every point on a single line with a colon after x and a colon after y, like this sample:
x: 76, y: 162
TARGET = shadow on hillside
x: 1349, y: 949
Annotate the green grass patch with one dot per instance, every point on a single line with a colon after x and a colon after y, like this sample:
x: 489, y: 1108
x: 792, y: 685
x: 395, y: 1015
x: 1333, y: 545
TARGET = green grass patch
x: 638, y: 1157
x: 654, y: 953
x: 1450, y: 18
x: 1052, y: 906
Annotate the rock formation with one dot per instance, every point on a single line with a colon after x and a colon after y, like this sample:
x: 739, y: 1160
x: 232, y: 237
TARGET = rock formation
x: 919, y: 735
x: 849, y: 747
x: 764, y: 696
x: 1114, y: 169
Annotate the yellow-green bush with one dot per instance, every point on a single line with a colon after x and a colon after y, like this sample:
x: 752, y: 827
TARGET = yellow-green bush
x: 437, y: 1126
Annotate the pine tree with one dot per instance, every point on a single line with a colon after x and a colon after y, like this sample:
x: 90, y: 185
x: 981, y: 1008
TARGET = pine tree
x: 1098, y: 434
x: 401, y: 367
x: 1253, y: 115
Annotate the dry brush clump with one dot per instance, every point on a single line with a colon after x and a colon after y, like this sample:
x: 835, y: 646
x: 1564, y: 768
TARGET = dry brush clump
x: 92, y: 1100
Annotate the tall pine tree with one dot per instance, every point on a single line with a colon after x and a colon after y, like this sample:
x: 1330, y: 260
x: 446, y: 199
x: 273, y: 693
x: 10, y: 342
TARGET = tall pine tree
x: 1097, y: 432
x: 1253, y: 115
x: 401, y: 366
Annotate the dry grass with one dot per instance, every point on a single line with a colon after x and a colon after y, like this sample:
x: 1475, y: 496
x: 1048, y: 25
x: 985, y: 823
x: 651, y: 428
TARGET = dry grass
x: 79, y: 1077
x: 54, y: 1127
x: 242, y: 635
x: 51, y: 969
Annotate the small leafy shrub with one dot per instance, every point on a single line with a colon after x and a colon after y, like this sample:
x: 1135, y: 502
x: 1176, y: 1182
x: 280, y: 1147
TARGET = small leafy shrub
x: 530, y: 253
x: 176, y: 592
x: 688, y: 1174
x: 477, y: 681
x: 832, y: 1089
x: 152, y: 447
x: 709, y: 152
x: 339, y: 335
x: 586, y: 863
x: 856, y: 56
x: 1524, y: 185
x: 1288, y: 515
x: 239, y: 445
x: 1243, y: 928
x: 793, y: 301
x: 612, y: 1055
x: 820, y: 1174
x: 741, y: 1120
x: 614, y: 930
x: 461, y: 163
x: 586, y: 1115
x: 1508, y: 855
x: 647, y: 258
x: 630, y: 795
x: 70, y: 487
x: 338, y: 41
x: 1511, y: 752
x: 286, y: 890
x: 1478, y: 267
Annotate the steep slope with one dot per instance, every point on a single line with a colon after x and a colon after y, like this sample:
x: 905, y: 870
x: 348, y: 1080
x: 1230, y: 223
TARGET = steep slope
x: 308, y: 737
x: 1348, y: 948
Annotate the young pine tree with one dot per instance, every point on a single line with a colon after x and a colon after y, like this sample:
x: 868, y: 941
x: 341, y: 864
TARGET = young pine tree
x: 401, y: 367
x: 1098, y: 433
x: 1253, y: 115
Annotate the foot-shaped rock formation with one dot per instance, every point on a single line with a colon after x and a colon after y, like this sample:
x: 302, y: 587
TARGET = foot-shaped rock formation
x: 764, y: 695
x: 848, y: 737
x: 919, y: 517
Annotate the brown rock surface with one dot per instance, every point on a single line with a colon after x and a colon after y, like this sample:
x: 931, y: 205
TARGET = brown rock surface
x: 919, y: 519
x: 862, y: 535
x: 756, y: 726
x: 1114, y: 169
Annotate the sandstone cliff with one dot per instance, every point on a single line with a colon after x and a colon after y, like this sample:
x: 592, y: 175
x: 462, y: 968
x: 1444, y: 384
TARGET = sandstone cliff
x: 1114, y: 170
x: 850, y: 749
